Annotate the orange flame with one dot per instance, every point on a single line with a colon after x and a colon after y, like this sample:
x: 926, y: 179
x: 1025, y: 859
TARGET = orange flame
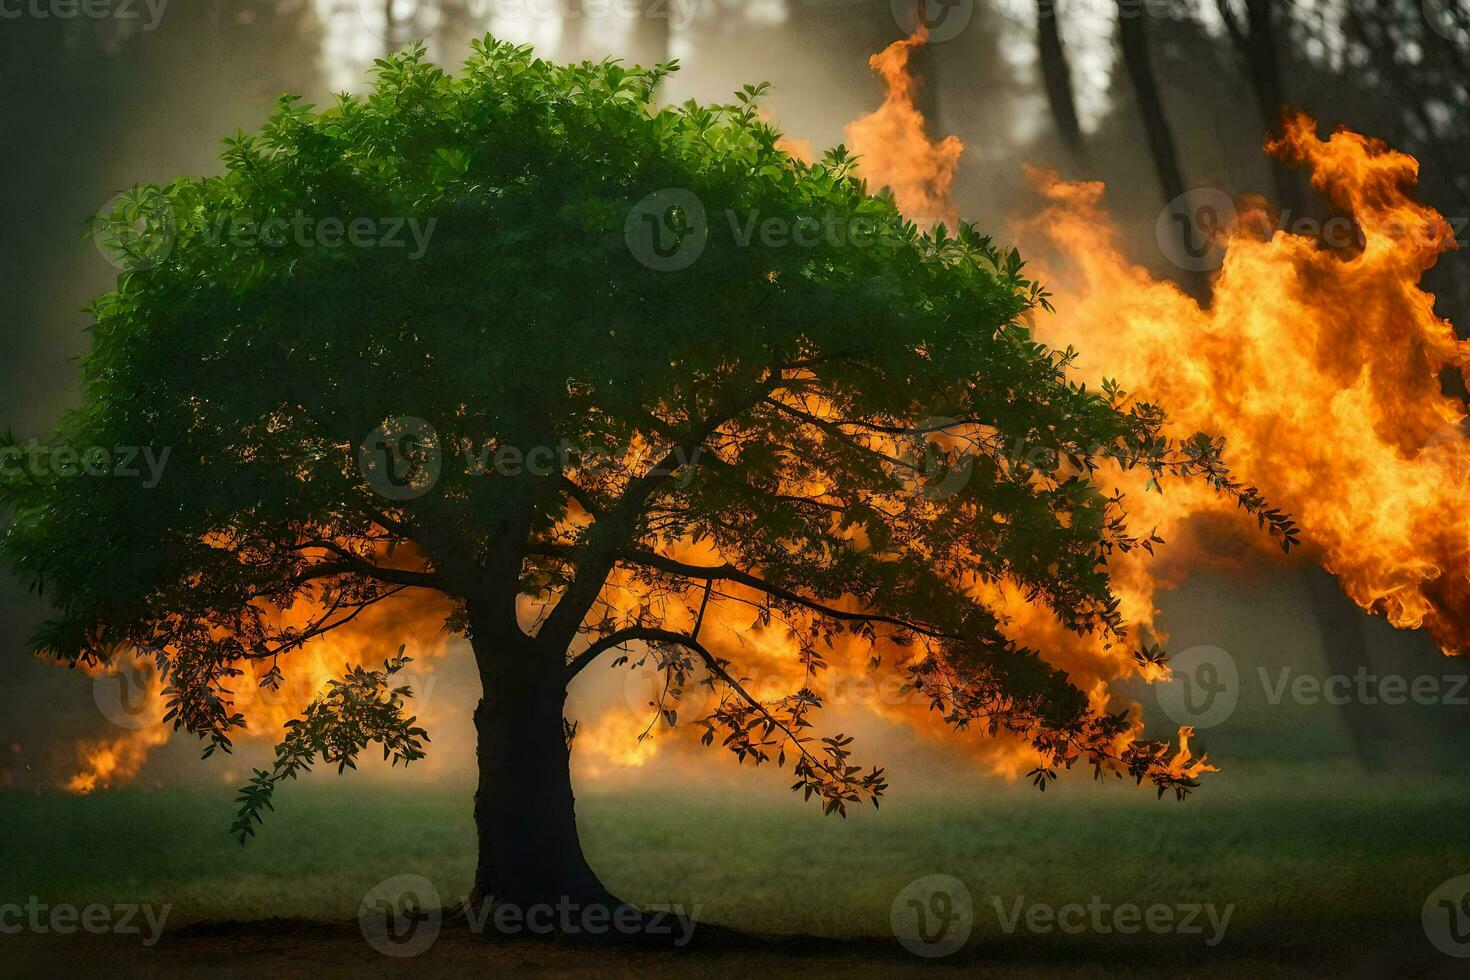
x: 117, y: 759
x: 114, y: 761
x: 414, y: 620
x: 1319, y: 366
x: 894, y: 149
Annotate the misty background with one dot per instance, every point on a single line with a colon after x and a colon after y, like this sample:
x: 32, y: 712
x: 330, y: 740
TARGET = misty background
x: 92, y: 106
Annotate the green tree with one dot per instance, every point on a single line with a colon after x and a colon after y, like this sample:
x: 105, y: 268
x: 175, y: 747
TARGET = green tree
x: 837, y: 420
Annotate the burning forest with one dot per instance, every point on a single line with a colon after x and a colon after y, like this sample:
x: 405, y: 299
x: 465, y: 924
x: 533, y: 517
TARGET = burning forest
x: 591, y: 456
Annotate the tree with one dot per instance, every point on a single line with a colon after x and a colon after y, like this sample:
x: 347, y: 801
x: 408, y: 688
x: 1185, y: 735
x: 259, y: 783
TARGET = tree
x: 1255, y: 43
x: 1056, y: 75
x: 783, y: 408
x: 1133, y: 39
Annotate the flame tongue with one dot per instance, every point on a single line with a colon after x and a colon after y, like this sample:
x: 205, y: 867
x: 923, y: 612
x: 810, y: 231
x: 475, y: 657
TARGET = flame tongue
x: 1319, y: 365
x: 894, y: 148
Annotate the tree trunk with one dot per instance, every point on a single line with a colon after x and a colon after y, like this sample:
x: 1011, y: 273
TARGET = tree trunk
x: 1257, y: 46
x: 1345, y: 647
x: 1138, y: 59
x: 1133, y: 33
x: 651, y: 35
x: 924, y: 64
x: 530, y: 853
x: 1056, y: 74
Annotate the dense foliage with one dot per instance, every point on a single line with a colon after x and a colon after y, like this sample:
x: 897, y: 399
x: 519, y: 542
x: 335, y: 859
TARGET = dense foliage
x: 786, y: 407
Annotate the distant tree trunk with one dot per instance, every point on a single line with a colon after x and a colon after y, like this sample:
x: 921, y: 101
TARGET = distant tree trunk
x: 924, y: 62
x: 1345, y: 646
x: 651, y: 34
x: 571, y: 32
x: 1256, y: 44
x: 529, y: 849
x: 1056, y: 74
x: 1138, y: 59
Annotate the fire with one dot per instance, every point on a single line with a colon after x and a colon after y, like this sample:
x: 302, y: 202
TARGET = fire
x: 1319, y: 365
x: 108, y: 762
x: 895, y: 150
x: 414, y: 620
x: 129, y: 692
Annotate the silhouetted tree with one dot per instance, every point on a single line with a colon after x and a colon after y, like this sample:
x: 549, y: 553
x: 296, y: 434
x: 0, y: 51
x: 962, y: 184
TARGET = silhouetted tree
x: 822, y: 437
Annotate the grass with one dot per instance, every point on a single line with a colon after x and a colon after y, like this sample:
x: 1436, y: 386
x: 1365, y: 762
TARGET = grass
x: 1315, y: 868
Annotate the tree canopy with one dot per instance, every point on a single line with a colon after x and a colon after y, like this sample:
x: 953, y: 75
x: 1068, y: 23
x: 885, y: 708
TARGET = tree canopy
x: 835, y: 419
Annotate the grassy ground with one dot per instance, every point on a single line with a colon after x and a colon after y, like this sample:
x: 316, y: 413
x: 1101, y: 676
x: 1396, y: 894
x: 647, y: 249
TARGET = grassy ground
x: 1321, y: 873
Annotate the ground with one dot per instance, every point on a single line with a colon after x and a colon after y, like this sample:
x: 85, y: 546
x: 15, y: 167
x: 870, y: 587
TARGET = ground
x: 1325, y: 875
